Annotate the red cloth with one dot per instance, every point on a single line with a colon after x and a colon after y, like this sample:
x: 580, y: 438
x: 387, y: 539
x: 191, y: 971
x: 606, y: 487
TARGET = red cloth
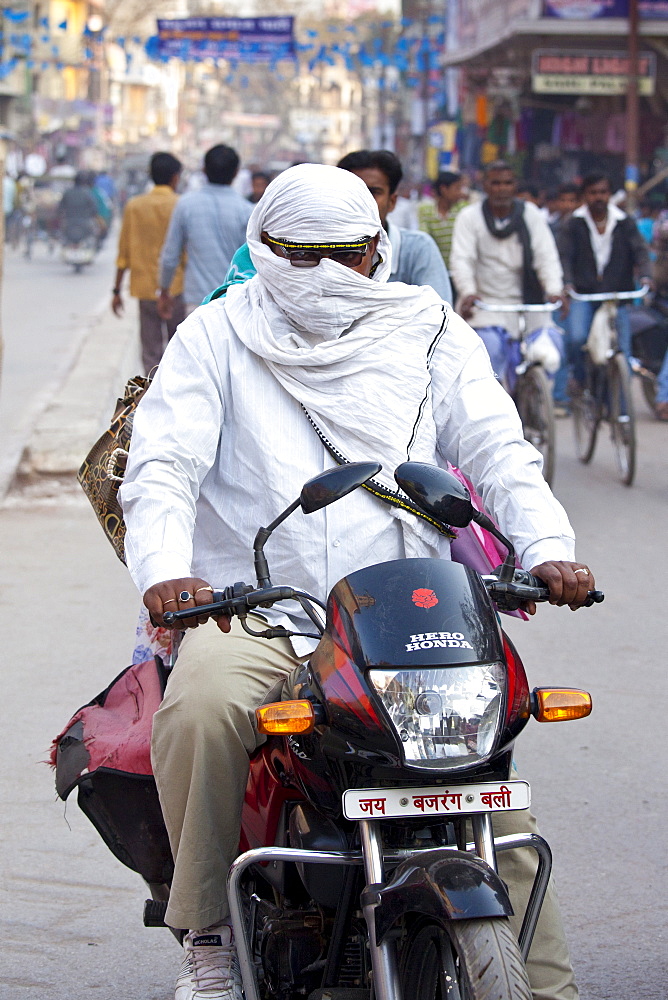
x: 117, y: 724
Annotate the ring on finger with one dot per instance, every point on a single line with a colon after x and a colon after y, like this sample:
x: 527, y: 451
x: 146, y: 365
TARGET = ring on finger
x: 185, y: 595
x: 582, y: 570
x: 172, y: 600
x: 210, y: 590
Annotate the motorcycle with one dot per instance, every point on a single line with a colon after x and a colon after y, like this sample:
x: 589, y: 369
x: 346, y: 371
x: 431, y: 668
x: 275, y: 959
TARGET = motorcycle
x: 649, y: 343
x: 357, y: 876
x: 78, y: 245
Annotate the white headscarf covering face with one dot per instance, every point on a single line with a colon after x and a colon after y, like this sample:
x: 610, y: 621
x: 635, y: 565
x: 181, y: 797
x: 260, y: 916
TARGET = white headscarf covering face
x: 312, y: 203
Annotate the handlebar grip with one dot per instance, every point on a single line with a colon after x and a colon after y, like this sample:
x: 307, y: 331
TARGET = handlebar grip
x: 529, y: 580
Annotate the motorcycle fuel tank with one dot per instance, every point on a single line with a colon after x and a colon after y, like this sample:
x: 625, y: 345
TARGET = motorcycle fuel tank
x: 414, y: 612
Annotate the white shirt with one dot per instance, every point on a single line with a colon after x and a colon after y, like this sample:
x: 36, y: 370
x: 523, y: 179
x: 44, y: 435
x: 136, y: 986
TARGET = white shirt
x: 491, y: 268
x: 220, y: 448
x: 601, y: 242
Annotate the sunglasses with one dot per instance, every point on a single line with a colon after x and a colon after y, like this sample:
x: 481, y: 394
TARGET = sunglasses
x: 310, y: 255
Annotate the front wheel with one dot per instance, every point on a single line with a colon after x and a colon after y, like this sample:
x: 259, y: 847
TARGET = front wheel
x: 536, y: 410
x: 463, y: 960
x: 648, y: 383
x: 622, y: 417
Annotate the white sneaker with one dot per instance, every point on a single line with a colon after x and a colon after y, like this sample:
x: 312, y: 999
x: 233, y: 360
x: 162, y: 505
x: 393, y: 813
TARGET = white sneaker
x: 210, y: 969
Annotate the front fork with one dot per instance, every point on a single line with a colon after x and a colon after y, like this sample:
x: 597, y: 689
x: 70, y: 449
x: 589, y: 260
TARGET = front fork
x: 383, y: 956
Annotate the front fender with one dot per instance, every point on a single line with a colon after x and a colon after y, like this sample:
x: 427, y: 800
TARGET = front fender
x: 444, y: 884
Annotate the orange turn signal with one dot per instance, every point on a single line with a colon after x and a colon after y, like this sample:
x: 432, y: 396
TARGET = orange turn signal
x: 560, y: 704
x: 283, y: 718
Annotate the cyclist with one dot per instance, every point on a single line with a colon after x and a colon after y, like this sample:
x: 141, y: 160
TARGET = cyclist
x: 503, y: 251
x: 601, y: 250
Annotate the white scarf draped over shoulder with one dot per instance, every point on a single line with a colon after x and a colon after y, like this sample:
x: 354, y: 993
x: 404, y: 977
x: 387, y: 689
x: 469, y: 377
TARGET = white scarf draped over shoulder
x: 331, y: 336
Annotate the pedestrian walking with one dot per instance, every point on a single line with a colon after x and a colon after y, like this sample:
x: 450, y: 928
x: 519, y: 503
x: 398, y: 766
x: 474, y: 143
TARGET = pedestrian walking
x: 601, y: 250
x: 259, y: 181
x: 437, y: 218
x: 209, y: 225
x: 567, y: 199
x: 503, y: 251
x: 415, y: 256
x: 145, y: 221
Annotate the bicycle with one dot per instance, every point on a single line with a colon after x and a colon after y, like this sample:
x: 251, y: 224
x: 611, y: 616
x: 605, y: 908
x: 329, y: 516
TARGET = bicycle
x: 606, y: 394
x: 529, y: 384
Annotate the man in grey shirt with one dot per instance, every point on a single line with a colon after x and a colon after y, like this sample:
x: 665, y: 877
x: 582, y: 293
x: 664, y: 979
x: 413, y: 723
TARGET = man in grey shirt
x: 416, y: 259
x: 209, y: 225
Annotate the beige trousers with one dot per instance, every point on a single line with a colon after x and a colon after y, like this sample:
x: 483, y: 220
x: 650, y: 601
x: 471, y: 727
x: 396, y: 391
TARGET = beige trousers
x: 203, y: 734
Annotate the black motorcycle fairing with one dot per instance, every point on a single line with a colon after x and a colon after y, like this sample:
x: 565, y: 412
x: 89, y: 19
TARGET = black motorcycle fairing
x: 443, y: 884
x: 414, y: 612
x: 312, y: 831
x: 369, y: 615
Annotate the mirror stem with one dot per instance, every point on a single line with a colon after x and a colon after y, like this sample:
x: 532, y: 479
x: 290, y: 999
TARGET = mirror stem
x: 508, y: 567
x: 260, y: 560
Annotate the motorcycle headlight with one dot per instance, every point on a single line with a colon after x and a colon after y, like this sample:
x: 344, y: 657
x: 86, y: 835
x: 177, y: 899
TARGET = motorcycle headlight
x: 445, y: 717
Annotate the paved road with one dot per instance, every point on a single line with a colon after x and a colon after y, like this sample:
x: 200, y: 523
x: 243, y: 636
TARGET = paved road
x: 70, y: 919
x: 46, y: 311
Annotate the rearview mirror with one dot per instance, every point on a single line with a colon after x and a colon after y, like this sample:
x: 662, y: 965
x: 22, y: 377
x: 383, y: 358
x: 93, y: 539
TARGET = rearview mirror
x: 442, y: 495
x: 332, y: 485
x: 318, y: 492
x: 437, y: 492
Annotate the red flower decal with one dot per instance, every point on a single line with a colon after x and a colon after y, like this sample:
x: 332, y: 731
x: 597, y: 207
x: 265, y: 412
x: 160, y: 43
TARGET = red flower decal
x: 424, y: 598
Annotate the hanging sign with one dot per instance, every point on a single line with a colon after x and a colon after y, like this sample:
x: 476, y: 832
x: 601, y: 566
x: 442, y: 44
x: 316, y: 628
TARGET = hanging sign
x: 589, y: 10
x: 240, y: 39
x: 554, y: 71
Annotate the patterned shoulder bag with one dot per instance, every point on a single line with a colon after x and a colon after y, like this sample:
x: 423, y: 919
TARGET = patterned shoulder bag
x: 101, y: 473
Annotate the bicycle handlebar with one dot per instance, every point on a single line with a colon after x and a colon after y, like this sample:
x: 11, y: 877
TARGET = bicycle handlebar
x: 638, y: 293
x: 518, y: 307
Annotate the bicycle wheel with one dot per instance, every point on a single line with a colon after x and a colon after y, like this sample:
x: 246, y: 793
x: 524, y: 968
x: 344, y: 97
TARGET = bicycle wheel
x: 622, y: 417
x: 536, y: 410
x: 586, y: 411
x: 648, y: 384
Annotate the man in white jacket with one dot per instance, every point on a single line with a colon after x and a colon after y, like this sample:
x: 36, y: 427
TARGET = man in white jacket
x: 221, y: 444
x: 503, y: 251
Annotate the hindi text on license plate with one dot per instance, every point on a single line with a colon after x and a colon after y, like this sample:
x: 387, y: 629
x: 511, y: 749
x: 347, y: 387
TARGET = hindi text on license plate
x: 396, y: 803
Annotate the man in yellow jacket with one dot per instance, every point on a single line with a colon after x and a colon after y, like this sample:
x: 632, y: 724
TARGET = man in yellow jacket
x: 145, y: 221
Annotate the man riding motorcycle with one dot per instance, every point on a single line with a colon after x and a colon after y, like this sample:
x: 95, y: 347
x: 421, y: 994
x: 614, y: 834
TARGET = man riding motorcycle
x: 78, y: 210
x: 221, y: 441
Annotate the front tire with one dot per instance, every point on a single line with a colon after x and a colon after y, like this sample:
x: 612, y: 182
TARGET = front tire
x: 648, y: 383
x: 622, y: 417
x: 536, y: 410
x: 463, y: 960
x: 586, y: 410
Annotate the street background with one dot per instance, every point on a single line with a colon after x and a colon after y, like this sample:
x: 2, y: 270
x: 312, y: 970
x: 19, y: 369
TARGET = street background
x: 70, y: 914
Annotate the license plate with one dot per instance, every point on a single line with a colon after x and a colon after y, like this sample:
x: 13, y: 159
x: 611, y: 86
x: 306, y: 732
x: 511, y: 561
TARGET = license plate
x: 396, y: 803
x: 78, y: 255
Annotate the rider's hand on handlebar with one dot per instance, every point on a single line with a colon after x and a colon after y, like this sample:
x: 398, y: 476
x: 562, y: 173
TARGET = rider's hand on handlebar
x: 566, y: 300
x: 568, y: 582
x: 466, y: 306
x: 165, y: 596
